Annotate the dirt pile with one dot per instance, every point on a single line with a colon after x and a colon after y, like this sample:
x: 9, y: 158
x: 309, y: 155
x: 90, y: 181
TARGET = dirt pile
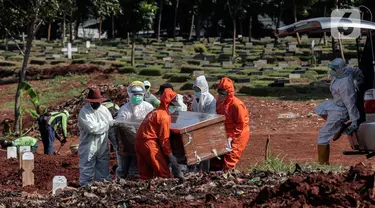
x: 118, y: 95
x: 198, y: 190
x: 46, y: 167
x: 11, y: 76
x: 352, y: 189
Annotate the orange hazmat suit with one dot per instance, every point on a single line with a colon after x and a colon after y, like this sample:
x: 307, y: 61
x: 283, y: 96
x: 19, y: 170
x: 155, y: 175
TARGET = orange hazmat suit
x: 236, y: 122
x: 152, y: 143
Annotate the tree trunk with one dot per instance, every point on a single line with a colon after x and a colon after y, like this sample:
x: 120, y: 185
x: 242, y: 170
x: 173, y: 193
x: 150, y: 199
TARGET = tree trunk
x: 191, y: 27
x: 64, y: 28
x: 22, y: 75
x: 198, y: 28
x: 340, y: 47
x: 250, y: 27
x: 113, y: 26
x: 49, y: 31
x: 128, y: 38
x: 325, y: 34
x: 333, y: 47
x: 6, y: 41
x: 133, y: 49
x: 159, y: 21
x: 295, y: 19
x: 100, y: 27
x: 71, y: 27
x: 175, y: 19
x: 234, y: 40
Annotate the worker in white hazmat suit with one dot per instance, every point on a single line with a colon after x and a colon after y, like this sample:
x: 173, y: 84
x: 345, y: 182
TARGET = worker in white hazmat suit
x: 180, y: 99
x: 342, y: 108
x: 94, y: 121
x: 204, y: 101
x: 129, y: 117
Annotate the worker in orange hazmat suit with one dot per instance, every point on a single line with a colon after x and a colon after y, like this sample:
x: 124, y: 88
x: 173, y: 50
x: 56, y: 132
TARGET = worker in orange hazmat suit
x: 152, y: 143
x: 236, y: 123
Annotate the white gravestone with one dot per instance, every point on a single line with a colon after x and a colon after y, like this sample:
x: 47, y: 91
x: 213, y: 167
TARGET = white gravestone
x: 11, y: 152
x: 59, y: 182
x: 25, y: 149
x: 69, y: 50
x: 88, y: 44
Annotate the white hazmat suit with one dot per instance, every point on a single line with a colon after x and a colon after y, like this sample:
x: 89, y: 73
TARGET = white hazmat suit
x: 128, y: 119
x: 207, y: 102
x: 343, y: 105
x: 93, y: 144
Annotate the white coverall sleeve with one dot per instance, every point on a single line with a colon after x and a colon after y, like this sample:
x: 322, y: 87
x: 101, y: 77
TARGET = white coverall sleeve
x: 211, y: 107
x: 180, y: 100
x: 90, y: 125
x: 125, y: 112
x: 348, y: 95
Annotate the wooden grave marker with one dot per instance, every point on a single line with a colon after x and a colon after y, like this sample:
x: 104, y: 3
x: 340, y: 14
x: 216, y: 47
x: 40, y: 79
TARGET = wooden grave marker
x: 28, y: 167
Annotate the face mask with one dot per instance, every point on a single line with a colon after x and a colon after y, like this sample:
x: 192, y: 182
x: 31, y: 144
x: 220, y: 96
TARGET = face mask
x: 197, y: 94
x: 136, y: 100
x: 172, y: 109
x: 95, y: 106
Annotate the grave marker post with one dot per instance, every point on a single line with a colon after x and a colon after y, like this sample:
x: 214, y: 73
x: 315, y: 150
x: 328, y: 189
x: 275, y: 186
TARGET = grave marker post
x: 28, y: 167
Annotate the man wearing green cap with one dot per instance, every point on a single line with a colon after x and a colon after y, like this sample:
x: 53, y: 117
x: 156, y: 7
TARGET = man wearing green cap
x: 150, y: 98
x: 342, y: 108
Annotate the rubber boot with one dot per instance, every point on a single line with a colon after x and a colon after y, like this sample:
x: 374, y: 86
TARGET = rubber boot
x: 323, y: 154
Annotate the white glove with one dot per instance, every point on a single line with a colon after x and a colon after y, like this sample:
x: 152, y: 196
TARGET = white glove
x: 111, y: 122
x: 229, y: 144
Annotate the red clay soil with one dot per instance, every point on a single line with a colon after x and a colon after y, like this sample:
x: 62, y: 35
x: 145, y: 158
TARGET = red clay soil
x: 352, y: 189
x: 46, y: 167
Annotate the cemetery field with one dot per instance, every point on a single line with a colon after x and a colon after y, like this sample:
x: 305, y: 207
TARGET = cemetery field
x: 279, y: 84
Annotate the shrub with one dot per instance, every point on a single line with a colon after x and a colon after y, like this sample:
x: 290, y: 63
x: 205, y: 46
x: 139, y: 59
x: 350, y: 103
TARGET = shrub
x: 179, y: 78
x: 190, y: 69
x: 118, y: 64
x: 194, y: 62
x: 15, y: 58
x: 78, y: 61
x: 168, y: 75
x: 57, y: 62
x: 187, y: 86
x: 37, y: 62
x: 127, y: 70
x: 150, y: 72
x: 200, y: 48
x: 7, y: 63
x: 98, y: 62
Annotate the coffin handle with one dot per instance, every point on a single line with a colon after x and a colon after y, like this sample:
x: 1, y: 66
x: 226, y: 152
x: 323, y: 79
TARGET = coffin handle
x: 190, y: 138
x: 215, y: 153
x: 197, y: 157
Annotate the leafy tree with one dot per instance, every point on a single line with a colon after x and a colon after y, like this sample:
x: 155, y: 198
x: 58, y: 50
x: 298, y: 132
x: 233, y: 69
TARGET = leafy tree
x: 137, y: 16
x: 31, y: 14
x: 103, y: 9
x: 235, y: 8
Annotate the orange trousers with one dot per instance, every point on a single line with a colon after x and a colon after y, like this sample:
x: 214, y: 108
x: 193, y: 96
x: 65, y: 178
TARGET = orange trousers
x: 230, y: 160
x: 151, y: 160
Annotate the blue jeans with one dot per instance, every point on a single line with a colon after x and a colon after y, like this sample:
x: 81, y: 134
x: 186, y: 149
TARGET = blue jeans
x: 48, y: 138
x: 127, y: 167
